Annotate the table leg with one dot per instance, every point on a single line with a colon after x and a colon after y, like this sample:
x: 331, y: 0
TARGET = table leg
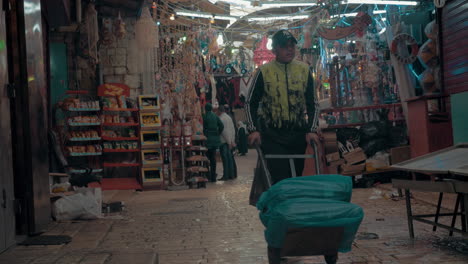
x: 409, y: 213
x: 465, y: 211
x: 439, y: 203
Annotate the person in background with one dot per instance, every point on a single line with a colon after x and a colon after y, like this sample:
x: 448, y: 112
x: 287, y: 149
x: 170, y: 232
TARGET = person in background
x: 242, y: 138
x: 231, y: 114
x: 212, y: 128
x: 228, y: 143
x: 284, y: 89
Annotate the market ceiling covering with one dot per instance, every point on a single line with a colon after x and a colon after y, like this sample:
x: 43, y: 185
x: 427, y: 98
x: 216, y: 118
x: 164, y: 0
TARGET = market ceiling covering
x: 257, y: 17
x: 242, y: 20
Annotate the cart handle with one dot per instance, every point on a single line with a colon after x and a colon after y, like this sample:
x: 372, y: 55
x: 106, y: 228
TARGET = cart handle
x: 262, y: 159
x: 264, y: 165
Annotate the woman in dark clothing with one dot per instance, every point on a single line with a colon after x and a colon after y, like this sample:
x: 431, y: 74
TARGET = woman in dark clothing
x: 212, y: 128
x: 242, y: 137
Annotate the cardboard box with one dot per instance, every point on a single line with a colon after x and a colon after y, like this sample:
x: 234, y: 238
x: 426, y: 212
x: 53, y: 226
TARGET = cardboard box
x: 400, y: 154
x: 351, y: 169
x: 356, y: 156
x: 333, y: 157
x: 337, y: 162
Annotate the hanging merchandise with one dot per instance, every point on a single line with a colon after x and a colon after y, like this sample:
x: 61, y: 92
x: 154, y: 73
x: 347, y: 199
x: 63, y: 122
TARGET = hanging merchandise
x: 430, y: 78
x: 92, y: 28
x: 262, y: 54
x: 146, y: 39
x: 361, y: 22
x: 403, y: 39
x: 145, y: 30
x: 119, y: 28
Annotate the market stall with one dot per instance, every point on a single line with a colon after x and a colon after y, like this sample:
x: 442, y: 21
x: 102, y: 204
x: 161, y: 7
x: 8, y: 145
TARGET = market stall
x: 367, y: 60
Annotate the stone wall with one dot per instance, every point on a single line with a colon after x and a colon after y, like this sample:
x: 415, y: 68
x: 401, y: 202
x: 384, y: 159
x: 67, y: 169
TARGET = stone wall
x: 115, y: 63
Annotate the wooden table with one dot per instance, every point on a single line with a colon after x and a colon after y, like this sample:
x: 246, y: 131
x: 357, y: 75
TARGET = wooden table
x: 448, y: 173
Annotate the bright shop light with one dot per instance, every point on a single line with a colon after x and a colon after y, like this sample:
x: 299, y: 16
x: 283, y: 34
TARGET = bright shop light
x: 193, y: 14
x: 376, y: 12
x: 381, y: 2
x: 286, y: 4
x: 204, y: 15
x: 270, y: 18
x: 234, y: 2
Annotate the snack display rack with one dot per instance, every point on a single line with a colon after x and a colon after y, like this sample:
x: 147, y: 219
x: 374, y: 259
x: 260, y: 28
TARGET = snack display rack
x: 120, y: 138
x: 152, y: 172
x: 80, y: 135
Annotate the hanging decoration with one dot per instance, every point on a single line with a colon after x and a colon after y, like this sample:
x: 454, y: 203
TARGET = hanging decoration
x: 361, y: 21
x: 430, y: 78
x: 261, y: 54
x: 119, y: 28
x: 145, y: 35
x: 403, y: 39
x: 92, y: 29
x: 145, y: 30
x: 107, y: 38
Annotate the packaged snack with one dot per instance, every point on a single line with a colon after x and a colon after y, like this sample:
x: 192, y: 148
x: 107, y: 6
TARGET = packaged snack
x: 105, y: 102
x: 113, y: 103
x: 90, y: 149
x: 76, y: 103
x: 122, y: 102
x: 108, y: 119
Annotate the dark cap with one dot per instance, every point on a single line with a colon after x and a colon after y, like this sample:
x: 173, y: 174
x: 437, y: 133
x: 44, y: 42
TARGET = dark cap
x: 282, y: 38
x: 208, y: 107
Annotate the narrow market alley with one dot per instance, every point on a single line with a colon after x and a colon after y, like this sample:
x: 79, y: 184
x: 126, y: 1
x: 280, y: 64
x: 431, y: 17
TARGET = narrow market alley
x: 216, y: 225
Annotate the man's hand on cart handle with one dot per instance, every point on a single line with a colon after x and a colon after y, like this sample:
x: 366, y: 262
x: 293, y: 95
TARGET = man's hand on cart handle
x: 255, y: 139
x: 313, y: 137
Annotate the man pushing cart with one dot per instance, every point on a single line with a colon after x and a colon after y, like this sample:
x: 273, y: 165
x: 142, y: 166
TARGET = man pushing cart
x: 303, y: 216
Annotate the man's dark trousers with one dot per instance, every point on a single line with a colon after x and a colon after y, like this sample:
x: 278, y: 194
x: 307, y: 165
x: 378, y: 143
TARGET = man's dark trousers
x: 228, y: 162
x: 211, y: 154
x: 283, y: 142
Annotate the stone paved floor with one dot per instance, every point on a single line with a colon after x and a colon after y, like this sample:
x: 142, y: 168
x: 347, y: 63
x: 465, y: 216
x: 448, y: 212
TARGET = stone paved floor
x: 216, y: 225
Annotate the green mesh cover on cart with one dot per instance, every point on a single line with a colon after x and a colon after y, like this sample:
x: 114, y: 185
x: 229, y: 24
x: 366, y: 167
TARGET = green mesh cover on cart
x: 332, y: 187
x: 310, y: 212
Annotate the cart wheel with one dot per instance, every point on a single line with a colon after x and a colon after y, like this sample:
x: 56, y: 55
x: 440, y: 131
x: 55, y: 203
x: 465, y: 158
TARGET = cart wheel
x: 331, y: 259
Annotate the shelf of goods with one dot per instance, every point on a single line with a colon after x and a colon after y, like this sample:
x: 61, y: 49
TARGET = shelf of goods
x: 120, y: 141
x: 341, y: 117
x: 152, y: 172
x: 80, y: 135
x: 197, y: 163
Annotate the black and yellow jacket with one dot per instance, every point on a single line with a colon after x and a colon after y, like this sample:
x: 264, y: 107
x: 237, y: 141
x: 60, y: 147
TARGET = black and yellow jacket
x: 280, y: 96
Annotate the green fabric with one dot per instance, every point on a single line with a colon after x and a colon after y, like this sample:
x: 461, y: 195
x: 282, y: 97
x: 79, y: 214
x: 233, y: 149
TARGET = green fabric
x: 212, y: 128
x: 284, y: 87
x: 331, y: 187
x: 310, y: 212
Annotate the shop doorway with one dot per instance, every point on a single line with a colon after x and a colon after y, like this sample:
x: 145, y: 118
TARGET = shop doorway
x: 7, y: 217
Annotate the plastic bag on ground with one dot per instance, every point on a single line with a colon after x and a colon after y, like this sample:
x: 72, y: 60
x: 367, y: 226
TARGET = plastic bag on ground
x: 85, y: 204
x: 332, y: 187
x: 309, y: 212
